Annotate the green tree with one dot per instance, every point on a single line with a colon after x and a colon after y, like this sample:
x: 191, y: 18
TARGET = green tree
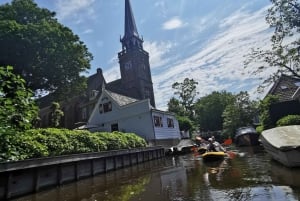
x: 175, y: 107
x: 209, y: 110
x: 56, y: 114
x: 284, y: 55
x: 17, y: 108
x: 264, y: 110
x: 44, y: 52
x: 185, y: 123
x: 240, y: 113
x: 187, y: 92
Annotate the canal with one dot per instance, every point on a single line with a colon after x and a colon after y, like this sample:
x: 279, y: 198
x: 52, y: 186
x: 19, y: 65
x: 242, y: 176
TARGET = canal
x: 248, y: 174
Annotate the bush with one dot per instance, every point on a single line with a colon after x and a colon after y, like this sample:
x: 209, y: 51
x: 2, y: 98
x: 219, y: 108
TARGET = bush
x: 289, y: 120
x: 259, y: 129
x: 19, y: 146
x: 37, y: 143
x: 84, y: 141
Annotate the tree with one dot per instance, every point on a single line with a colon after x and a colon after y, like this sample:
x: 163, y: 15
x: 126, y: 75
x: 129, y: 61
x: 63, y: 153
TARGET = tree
x: 44, y: 52
x: 187, y: 92
x: 17, y: 108
x: 284, y: 55
x: 175, y: 107
x: 209, y: 110
x: 56, y: 114
x: 185, y: 123
x: 264, y: 110
x: 240, y: 113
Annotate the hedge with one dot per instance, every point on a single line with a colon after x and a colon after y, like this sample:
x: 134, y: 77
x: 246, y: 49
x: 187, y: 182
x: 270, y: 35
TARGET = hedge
x: 289, y: 120
x: 38, y: 143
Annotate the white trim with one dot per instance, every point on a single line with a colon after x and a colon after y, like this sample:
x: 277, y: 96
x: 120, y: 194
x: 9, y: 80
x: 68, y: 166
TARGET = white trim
x: 296, y: 92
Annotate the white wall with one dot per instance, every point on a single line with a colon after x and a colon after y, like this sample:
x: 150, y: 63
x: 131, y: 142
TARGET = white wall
x: 140, y: 124
x: 165, y: 132
x: 135, y: 118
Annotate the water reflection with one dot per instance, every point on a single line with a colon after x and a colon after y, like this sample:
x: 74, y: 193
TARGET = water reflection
x: 248, y: 174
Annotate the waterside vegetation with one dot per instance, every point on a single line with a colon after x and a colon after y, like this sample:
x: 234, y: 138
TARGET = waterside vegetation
x: 36, y: 143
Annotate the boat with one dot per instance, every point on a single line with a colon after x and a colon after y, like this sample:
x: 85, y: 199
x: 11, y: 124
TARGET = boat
x: 213, y: 156
x: 283, y: 144
x: 246, y: 136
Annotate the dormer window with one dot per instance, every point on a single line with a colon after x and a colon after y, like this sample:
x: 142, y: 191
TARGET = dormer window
x: 283, y: 87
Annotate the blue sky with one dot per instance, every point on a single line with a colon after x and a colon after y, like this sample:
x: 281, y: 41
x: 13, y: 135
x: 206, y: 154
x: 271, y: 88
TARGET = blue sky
x: 203, y: 40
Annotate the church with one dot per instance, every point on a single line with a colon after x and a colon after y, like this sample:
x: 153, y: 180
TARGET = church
x: 126, y: 104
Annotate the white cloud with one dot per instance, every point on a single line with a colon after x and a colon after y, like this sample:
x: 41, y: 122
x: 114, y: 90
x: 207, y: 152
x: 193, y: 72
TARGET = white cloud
x: 113, y: 73
x: 73, y: 8
x: 88, y: 31
x: 219, y: 64
x: 173, y: 23
x: 161, y: 7
x: 157, y: 50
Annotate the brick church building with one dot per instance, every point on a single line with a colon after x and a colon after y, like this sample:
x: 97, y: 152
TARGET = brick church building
x: 135, y: 82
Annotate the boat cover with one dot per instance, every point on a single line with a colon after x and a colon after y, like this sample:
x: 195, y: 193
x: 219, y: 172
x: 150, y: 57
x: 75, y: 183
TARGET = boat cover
x: 285, y: 137
x: 245, y: 130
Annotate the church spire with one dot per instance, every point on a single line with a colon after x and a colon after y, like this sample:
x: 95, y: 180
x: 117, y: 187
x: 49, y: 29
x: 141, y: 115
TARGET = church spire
x: 131, y: 37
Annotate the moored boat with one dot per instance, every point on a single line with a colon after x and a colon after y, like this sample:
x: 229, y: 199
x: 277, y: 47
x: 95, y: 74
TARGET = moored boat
x: 213, y: 156
x: 246, y: 136
x: 283, y: 144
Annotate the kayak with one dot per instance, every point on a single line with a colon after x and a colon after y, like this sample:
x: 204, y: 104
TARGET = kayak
x: 213, y: 156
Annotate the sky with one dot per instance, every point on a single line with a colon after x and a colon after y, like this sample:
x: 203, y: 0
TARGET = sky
x: 198, y: 39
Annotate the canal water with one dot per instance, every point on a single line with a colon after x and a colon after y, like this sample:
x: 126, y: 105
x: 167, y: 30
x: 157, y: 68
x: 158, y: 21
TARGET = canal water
x: 247, y: 174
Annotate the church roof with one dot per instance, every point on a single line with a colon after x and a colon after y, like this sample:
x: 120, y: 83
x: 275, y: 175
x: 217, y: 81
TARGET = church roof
x: 115, y: 86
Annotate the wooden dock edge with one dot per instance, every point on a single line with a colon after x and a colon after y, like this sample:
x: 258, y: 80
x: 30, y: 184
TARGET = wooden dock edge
x: 30, y: 176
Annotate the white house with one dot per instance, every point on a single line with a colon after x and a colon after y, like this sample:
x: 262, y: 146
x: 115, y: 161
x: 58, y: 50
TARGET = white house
x: 115, y: 112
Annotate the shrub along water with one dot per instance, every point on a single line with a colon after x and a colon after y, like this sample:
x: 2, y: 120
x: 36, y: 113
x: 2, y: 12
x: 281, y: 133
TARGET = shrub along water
x: 289, y: 120
x: 36, y: 143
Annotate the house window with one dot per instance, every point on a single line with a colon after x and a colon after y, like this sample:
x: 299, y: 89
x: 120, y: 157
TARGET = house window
x: 107, y: 107
x: 157, y: 121
x: 170, y: 123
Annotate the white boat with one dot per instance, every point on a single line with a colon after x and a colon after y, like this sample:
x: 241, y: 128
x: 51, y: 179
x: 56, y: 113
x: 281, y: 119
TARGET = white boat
x: 283, y: 144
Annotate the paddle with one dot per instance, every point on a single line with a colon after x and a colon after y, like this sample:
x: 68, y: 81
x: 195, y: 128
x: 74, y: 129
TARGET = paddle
x: 228, y: 142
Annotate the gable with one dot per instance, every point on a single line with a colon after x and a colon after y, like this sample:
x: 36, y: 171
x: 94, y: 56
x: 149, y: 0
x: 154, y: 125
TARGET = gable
x: 286, y: 88
x: 111, y: 106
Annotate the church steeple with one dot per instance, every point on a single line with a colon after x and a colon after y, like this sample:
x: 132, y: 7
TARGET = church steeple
x: 134, y: 62
x: 131, y: 39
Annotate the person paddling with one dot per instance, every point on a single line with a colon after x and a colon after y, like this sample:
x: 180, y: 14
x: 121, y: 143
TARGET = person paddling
x: 211, y: 146
x: 217, y: 145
